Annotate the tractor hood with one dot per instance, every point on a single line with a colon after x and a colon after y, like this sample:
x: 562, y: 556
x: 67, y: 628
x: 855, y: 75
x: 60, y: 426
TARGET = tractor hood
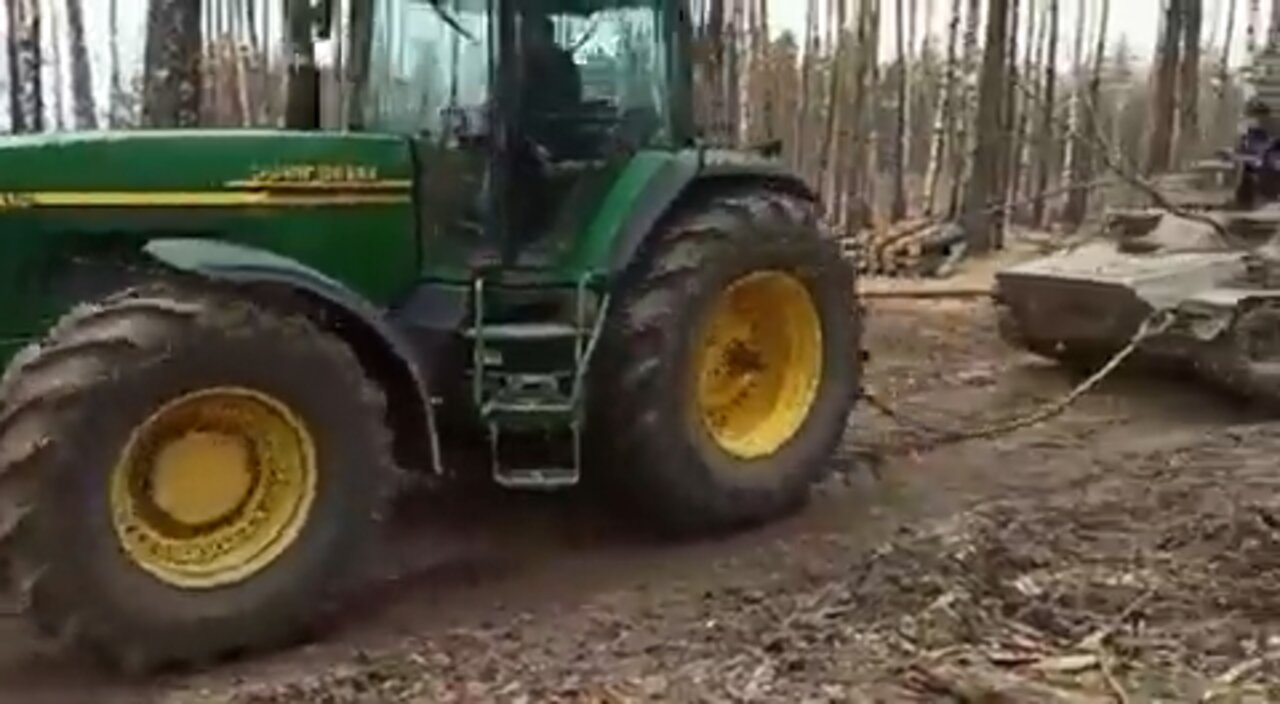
x: 210, y: 168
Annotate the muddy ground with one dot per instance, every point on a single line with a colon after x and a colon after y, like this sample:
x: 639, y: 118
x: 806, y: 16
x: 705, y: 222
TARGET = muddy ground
x: 1127, y: 551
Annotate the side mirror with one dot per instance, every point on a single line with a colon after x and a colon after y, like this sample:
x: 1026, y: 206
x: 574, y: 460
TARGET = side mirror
x: 322, y: 19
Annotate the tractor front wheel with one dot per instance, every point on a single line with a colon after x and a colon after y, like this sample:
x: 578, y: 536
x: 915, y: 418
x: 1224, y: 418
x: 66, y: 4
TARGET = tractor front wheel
x: 729, y: 365
x: 185, y: 476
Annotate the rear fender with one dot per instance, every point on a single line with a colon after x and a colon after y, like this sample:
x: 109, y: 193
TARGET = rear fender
x: 385, y: 353
x: 691, y: 176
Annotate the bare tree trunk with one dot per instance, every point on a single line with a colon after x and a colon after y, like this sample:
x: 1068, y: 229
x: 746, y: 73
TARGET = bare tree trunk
x: 1164, y: 93
x: 26, y: 89
x: 173, y: 60
x: 828, y: 152
x: 1048, y: 125
x: 1008, y: 143
x: 946, y: 111
x: 1074, y: 141
x: 1189, y: 81
x: 86, y: 116
x: 860, y: 174
x: 1078, y: 198
x: 115, y: 114
x: 961, y: 151
x: 804, y: 111
x: 1020, y: 152
x: 982, y: 188
x: 898, y: 207
x: 56, y: 66
x: 302, y: 108
x: 733, y: 74
x: 1223, y: 107
x: 1253, y: 14
x: 872, y: 184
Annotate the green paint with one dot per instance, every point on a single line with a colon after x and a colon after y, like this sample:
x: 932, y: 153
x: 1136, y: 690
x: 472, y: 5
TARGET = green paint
x: 370, y: 248
x: 592, y: 248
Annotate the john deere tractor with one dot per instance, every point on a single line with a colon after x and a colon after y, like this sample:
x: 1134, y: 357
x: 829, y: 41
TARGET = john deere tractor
x: 226, y: 349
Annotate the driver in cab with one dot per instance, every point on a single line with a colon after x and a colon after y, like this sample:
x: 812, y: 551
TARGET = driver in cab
x: 551, y: 89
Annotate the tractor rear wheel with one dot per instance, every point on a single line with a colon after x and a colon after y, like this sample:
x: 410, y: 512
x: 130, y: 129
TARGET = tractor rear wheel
x: 729, y: 365
x: 186, y: 476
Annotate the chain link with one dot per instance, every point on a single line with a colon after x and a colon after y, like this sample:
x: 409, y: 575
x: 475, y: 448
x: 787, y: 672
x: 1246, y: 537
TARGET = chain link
x: 1155, y: 324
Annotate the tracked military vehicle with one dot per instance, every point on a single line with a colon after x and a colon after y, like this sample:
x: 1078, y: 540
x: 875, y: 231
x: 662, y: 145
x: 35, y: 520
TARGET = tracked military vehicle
x: 1083, y: 305
x: 1215, y: 263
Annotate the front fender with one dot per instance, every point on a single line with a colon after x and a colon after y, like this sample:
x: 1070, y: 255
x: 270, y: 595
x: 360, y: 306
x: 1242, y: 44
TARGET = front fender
x: 393, y: 360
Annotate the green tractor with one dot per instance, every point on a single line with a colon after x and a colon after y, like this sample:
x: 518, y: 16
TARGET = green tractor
x: 226, y: 349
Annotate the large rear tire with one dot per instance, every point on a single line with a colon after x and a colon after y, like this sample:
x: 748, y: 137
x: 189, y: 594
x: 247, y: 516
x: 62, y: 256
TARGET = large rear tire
x: 729, y: 365
x: 186, y: 476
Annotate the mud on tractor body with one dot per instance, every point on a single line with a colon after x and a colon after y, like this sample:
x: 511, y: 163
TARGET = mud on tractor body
x: 224, y: 346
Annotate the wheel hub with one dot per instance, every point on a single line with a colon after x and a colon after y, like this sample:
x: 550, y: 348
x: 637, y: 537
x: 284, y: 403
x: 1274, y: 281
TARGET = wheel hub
x: 202, y: 477
x: 759, y: 364
x: 213, y: 487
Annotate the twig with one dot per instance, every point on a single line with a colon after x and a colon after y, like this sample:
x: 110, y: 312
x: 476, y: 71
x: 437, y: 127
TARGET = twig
x: 1109, y: 676
x: 1095, y: 640
x: 1240, y: 671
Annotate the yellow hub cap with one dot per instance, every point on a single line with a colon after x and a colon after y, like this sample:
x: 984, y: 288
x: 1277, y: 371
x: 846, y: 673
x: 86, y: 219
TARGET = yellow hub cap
x: 759, y: 364
x: 213, y: 487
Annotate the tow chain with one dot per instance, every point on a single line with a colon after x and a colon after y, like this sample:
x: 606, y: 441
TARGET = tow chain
x: 1155, y: 324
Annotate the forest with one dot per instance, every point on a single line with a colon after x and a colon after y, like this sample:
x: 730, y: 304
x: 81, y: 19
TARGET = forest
x: 988, y: 112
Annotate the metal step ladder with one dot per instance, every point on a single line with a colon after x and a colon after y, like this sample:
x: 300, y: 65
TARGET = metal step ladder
x: 533, y: 404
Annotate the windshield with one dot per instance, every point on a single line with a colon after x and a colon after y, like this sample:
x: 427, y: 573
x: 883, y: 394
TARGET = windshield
x: 427, y: 62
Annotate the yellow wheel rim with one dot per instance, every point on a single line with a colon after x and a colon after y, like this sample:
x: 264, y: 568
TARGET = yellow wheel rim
x: 759, y: 364
x: 213, y: 487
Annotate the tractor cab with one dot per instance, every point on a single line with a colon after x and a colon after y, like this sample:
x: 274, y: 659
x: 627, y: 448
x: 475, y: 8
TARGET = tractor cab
x: 521, y: 112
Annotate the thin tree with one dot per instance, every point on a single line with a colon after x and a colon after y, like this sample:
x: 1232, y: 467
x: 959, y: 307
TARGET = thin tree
x: 898, y: 207
x: 1048, y: 123
x: 26, y: 89
x: 1009, y: 119
x: 86, y: 116
x: 1189, y: 80
x: 56, y: 66
x: 1164, y: 91
x: 1224, y: 64
x: 982, y: 189
x: 1075, y: 137
x: 968, y: 105
x: 302, y: 107
x: 115, y: 100
x: 171, y: 92
x: 828, y: 152
x: 1253, y: 14
x: 1078, y: 196
x: 1020, y: 151
x: 945, y: 115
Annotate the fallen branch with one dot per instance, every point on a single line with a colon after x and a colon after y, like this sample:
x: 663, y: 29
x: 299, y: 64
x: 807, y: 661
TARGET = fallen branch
x: 1238, y: 672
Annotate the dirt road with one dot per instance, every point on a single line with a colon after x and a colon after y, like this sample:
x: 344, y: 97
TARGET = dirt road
x: 1127, y: 551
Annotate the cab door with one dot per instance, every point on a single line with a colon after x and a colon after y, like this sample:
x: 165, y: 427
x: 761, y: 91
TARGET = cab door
x: 430, y: 78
